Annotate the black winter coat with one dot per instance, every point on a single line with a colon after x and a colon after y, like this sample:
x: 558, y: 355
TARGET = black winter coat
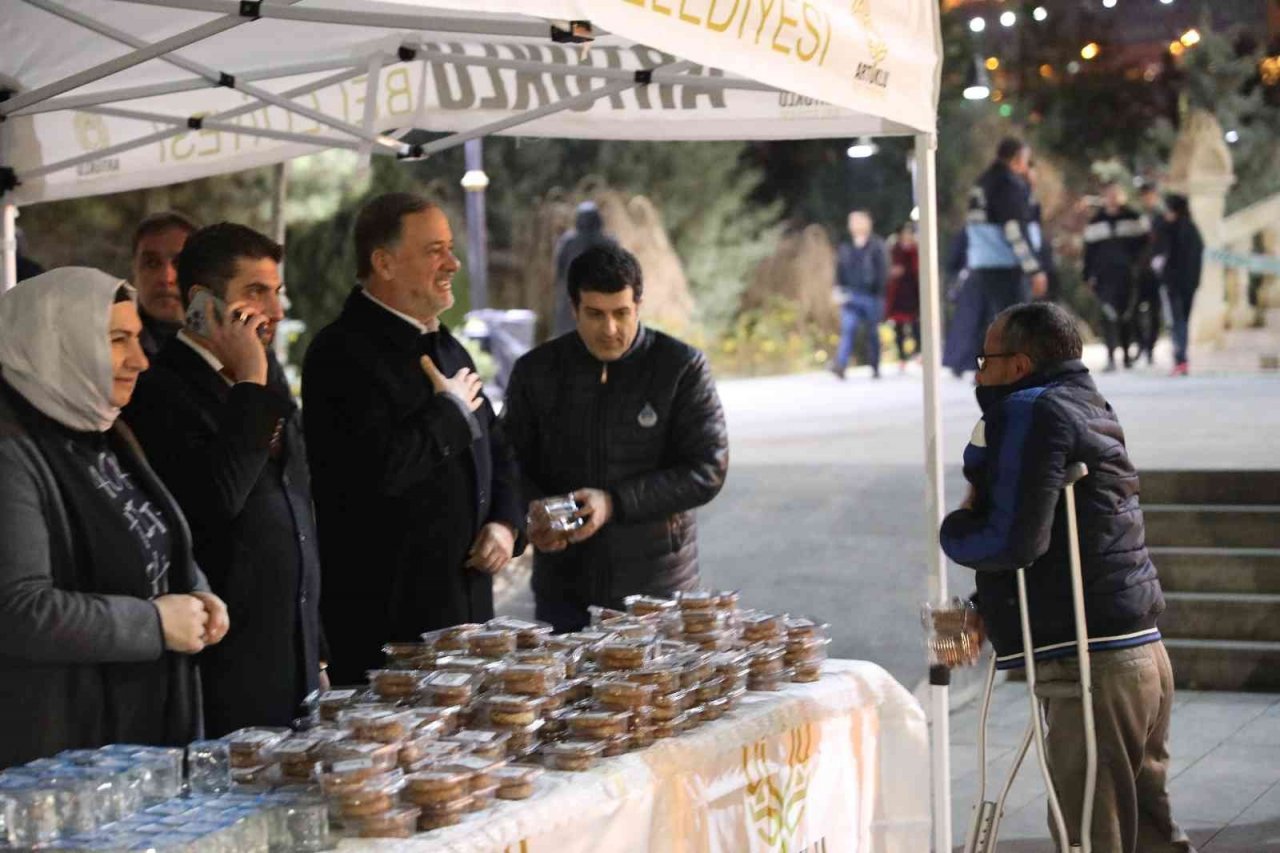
x: 649, y: 429
x: 404, y: 480
x: 1029, y: 433
x: 253, y: 526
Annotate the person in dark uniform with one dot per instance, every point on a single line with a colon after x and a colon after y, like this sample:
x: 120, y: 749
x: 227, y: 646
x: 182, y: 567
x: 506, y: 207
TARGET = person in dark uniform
x: 1114, y: 243
x: 415, y: 485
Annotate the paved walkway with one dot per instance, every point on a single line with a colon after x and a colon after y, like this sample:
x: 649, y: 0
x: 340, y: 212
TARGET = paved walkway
x: 1225, y: 770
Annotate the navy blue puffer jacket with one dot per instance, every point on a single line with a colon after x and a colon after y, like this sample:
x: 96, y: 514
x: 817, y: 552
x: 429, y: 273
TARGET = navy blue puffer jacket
x: 1016, y: 461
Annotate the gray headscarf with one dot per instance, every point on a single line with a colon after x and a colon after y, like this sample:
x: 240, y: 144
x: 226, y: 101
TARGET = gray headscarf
x: 55, y: 346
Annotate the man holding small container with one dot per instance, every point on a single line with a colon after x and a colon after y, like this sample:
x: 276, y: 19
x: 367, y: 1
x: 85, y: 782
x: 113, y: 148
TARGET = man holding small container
x: 620, y: 436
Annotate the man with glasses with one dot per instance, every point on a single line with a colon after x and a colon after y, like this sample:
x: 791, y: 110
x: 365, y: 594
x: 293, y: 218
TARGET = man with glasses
x: 1041, y: 413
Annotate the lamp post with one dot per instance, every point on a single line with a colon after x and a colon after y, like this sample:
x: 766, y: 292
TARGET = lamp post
x: 474, y: 182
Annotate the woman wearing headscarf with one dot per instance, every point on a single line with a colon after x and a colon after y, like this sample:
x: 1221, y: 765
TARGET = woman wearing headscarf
x: 101, y: 603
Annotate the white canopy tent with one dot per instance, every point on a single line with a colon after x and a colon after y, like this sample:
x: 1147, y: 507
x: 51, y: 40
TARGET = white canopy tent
x: 114, y: 95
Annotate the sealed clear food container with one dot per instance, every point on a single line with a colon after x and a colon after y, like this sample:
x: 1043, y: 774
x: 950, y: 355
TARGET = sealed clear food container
x: 760, y: 627
x: 702, y: 621
x: 446, y: 716
x: 209, y: 766
x: 617, y: 694
x: 644, y: 629
x: 383, y: 727
x: 415, y: 748
x: 510, y: 710
x: 668, y: 706
x: 712, y: 688
x: 767, y: 660
x: 728, y: 599
x: 429, y: 788
x: 480, y: 771
x: 696, y: 599
x: 377, y: 796
x: 450, y: 687
x: 599, y: 725
x: 351, y: 773
x: 715, y: 709
x: 452, y: 639
x: 664, y: 677
x: 621, y: 654
x: 524, y: 739
x: 248, y: 747
x: 642, y: 737
x: 35, y: 810
x: 769, y: 682
x: 333, y: 702
x: 383, y: 756
x: 531, y: 679
x: 557, y: 698
x: 734, y: 697
x: 646, y: 605
x: 435, y: 753
x: 807, y: 650
x: 573, y: 755
x: 806, y: 672
x: 801, y: 627
x: 620, y: 745
x: 711, y: 641
x: 410, y: 655
x: 516, y: 781
x: 395, y: 685
x: 696, y: 669
x: 529, y: 635
x: 492, y: 644
x: 399, y: 822
x: 486, y: 744
x: 298, y: 757
x: 482, y: 798
x: 440, y: 815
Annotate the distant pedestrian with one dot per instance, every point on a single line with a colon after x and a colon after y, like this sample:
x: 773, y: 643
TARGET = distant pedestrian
x: 588, y: 230
x: 902, y: 299
x: 1113, y: 246
x: 1180, y: 273
x: 862, y: 272
x: 1147, y: 313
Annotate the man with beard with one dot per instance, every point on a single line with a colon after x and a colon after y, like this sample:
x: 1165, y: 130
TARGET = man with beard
x: 628, y: 420
x: 415, y: 486
x: 215, y: 417
x: 156, y: 243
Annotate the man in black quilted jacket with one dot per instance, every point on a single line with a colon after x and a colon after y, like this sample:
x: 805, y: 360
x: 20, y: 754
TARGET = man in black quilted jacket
x: 627, y: 419
x: 1041, y: 413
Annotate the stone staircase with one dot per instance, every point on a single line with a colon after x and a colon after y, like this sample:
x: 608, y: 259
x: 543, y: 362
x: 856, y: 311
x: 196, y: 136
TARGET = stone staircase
x: 1215, y: 538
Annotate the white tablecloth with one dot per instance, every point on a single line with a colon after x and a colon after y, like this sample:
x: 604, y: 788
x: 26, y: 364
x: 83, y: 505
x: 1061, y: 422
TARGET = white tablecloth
x: 836, y: 766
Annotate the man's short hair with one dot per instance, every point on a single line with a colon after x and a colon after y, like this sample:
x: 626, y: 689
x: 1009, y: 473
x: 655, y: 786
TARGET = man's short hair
x: 379, y: 225
x: 1009, y: 148
x: 210, y: 255
x: 605, y: 268
x: 160, y: 222
x: 1046, y: 333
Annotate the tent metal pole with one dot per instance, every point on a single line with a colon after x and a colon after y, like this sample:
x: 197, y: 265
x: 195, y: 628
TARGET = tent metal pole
x: 134, y: 93
x: 535, y: 114
x: 8, y: 215
x: 931, y: 336
x: 511, y: 28
x: 162, y: 135
x: 592, y: 71
x: 208, y: 73
x: 121, y: 63
x: 229, y: 127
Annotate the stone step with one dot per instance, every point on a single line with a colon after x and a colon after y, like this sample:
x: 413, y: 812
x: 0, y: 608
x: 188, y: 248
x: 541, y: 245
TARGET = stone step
x: 1225, y: 664
x: 1210, y: 487
x: 1213, y: 526
x: 1221, y: 616
x: 1218, y: 569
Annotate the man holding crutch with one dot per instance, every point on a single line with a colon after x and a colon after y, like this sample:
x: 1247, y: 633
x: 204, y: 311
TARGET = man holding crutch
x: 1041, y: 414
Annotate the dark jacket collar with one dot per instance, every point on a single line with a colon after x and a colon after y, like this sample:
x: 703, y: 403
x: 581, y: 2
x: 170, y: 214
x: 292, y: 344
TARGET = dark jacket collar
x: 179, y: 357
x: 641, y: 345
x: 1063, y: 372
x: 377, y: 321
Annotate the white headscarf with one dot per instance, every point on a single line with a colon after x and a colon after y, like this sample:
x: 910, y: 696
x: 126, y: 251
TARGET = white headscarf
x: 55, y: 346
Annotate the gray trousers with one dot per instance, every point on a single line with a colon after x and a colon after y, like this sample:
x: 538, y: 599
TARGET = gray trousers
x: 1132, y: 705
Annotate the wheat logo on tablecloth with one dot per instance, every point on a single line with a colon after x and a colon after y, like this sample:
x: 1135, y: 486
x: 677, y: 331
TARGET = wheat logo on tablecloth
x: 776, y: 790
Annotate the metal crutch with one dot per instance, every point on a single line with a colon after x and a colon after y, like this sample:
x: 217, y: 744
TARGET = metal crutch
x: 987, y: 814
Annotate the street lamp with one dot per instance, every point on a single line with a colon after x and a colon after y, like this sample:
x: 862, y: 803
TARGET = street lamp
x: 1190, y: 38
x: 862, y: 148
x: 1008, y: 19
x: 1109, y: 4
x: 1040, y: 13
x: 977, y: 82
x: 977, y: 25
x: 1090, y: 51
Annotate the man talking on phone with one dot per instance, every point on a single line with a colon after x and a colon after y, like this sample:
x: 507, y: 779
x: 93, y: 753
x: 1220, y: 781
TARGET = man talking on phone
x: 216, y: 419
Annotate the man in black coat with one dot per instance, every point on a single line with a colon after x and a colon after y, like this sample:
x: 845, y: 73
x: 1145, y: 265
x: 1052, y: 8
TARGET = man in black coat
x: 628, y: 420
x: 1042, y: 413
x: 217, y: 422
x: 415, y: 487
x: 157, y: 242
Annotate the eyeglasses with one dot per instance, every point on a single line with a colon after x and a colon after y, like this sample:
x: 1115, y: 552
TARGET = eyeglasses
x: 982, y: 359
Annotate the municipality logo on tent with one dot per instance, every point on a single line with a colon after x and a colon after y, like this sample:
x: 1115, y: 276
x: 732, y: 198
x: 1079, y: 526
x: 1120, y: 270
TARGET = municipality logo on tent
x: 870, y: 72
x: 91, y: 132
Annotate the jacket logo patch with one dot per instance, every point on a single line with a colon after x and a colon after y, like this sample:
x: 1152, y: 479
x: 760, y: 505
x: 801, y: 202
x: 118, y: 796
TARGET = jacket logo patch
x: 648, y: 418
